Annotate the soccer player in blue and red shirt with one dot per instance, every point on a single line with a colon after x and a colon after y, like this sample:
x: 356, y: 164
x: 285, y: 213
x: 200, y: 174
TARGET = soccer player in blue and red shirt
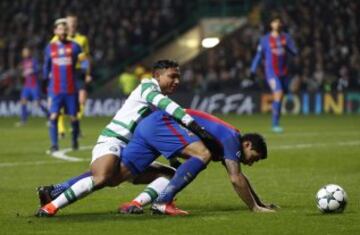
x: 160, y: 134
x: 59, y: 66
x: 275, y: 47
x: 31, y: 87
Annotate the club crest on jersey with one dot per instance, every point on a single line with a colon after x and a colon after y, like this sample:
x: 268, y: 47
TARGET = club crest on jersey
x: 114, y: 149
x: 238, y: 154
x: 68, y: 51
x: 61, y: 51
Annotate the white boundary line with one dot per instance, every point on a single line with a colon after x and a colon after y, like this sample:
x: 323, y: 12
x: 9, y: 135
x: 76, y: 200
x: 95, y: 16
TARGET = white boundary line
x: 62, y: 154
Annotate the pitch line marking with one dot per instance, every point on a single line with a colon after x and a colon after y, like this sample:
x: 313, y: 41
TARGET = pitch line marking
x: 302, y: 146
x: 62, y: 154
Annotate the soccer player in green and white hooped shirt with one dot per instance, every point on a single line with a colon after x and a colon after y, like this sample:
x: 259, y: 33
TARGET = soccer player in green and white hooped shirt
x: 150, y: 94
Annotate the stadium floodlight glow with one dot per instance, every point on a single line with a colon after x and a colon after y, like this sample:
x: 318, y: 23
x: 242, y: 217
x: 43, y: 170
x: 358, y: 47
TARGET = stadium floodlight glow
x: 210, y: 42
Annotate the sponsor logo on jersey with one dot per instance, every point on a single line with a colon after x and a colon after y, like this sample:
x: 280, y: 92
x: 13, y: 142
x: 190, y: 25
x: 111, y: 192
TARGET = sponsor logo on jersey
x: 61, y: 61
x: 238, y: 154
x: 114, y: 149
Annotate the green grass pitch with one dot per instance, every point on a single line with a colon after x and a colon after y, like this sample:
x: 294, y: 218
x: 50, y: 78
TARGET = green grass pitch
x: 313, y: 151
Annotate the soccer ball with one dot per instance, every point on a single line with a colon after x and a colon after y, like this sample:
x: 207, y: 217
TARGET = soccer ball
x: 331, y: 198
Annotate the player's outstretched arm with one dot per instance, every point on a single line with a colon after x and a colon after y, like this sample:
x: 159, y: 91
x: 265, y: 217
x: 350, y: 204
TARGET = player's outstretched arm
x: 257, y: 198
x: 156, y: 98
x: 291, y: 48
x: 257, y: 58
x: 242, y: 187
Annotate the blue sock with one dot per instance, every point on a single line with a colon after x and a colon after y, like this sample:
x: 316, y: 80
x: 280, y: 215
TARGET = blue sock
x: 24, y: 113
x: 60, y: 188
x: 276, y: 112
x: 183, y: 176
x: 44, y: 110
x: 53, y: 132
x: 75, y: 130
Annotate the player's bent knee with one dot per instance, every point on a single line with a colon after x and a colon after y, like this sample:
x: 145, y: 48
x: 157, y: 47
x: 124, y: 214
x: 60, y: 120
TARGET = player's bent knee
x: 198, y: 150
x: 53, y: 116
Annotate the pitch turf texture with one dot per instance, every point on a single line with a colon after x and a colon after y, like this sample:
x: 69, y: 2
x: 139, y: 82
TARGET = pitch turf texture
x: 314, y: 151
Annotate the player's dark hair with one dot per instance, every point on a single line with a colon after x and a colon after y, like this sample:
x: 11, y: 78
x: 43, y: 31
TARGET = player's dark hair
x: 71, y: 12
x: 275, y: 16
x: 164, y: 64
x: 258, y: 143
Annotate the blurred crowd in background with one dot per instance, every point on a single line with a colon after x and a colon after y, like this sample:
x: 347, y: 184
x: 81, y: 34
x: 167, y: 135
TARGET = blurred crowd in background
x: 326, y: 33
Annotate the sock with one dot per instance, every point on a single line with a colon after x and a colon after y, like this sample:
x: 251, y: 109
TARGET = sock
x: 152, y: 191
x: 44, y: 110
x: 61, y: 124
x: 53, y: 132
x: 79, y: 190
x: 24, y: 113
x: 183, y: 176
x: 276, y: 111
x: 80, y: 113
x: 60, y: 188
x: 75, y: 131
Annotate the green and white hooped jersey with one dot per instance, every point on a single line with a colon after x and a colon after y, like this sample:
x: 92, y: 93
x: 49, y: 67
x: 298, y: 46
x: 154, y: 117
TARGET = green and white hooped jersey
x: 138, y: 105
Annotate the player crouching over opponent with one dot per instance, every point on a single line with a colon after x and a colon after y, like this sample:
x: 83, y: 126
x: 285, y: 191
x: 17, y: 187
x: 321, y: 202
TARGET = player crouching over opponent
x: 160, y: 134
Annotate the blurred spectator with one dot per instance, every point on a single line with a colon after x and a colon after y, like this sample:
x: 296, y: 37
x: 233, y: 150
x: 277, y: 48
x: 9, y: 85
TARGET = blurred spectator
x: 329, y: 51
x: 117, y: 29
x: 127, y: 81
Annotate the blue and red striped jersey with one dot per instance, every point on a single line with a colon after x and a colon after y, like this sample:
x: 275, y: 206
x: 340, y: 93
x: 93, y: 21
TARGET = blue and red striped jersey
x: 59, y: 66
x: 275, y: 51
x: 227, y: 135
x: 30, y: 72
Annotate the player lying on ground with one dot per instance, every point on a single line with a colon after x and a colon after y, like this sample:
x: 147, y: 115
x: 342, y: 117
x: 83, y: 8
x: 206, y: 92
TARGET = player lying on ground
x: 149, y: 95
x: 161, y: 134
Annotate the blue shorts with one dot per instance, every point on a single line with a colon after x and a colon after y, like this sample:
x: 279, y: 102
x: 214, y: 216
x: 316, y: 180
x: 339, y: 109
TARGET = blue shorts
x: 67, y: 101
x: 156, y: 135
x: 277, y: 84
x: 30, y: 93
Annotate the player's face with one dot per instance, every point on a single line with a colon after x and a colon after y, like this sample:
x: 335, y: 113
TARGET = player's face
x: 249, y: 155
x: 72, y: 24
x: 168, y: 79
x: 61, y: 31
x: 25, y: 53
x: 276, y: 24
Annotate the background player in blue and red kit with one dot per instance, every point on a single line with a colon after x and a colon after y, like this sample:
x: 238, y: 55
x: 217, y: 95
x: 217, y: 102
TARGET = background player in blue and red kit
x: 31, y: 86
x: 275, y: 47
x: 59, y: 66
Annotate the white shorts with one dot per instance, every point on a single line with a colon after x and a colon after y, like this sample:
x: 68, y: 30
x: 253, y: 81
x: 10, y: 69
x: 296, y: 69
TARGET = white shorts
x: 107, y: 145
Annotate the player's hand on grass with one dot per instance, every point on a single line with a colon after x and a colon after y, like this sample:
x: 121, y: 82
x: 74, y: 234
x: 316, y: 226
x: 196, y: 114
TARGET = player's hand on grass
x: 262, y: 209
x: 271, y: 206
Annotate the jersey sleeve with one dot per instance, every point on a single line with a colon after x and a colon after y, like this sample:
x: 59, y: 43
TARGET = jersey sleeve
x: 152, y: 95
x: 291, y: 45
x: 257, y: 57
x: 232, y: 148
x: 77, y: 51
x: 86, y: 47
x: 47, y: 62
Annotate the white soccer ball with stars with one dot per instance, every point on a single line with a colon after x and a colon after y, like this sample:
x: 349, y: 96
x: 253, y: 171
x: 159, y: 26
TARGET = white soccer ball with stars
x: 331, y: 198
